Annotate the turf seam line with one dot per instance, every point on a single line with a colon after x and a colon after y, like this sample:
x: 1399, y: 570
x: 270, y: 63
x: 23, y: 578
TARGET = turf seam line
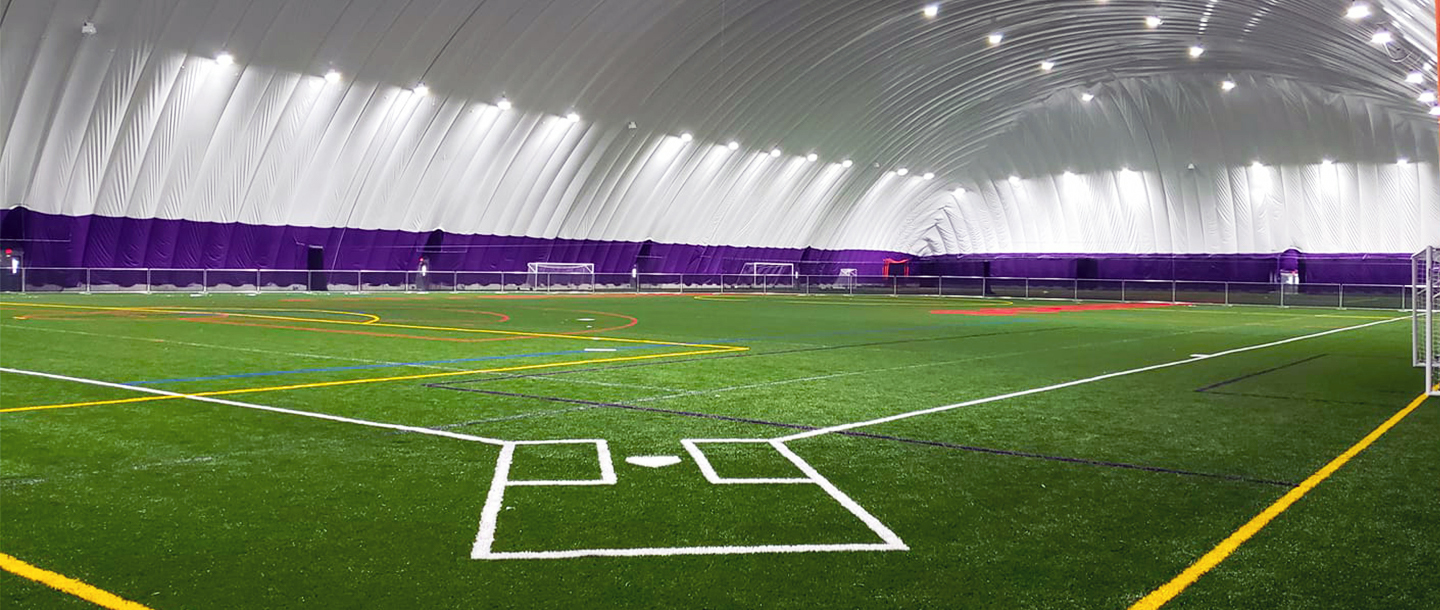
x: 1168, y: 591
x: 1301, y: 398
x: 1259, y: 373
x: 1073, y: 383
x: 66, y: 584
x: 588, y: 404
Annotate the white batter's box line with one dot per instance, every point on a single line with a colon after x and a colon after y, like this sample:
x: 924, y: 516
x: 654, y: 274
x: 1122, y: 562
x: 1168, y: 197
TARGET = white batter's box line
x: 602, y: 454
x: 495, y: 500
x: 708, y: 470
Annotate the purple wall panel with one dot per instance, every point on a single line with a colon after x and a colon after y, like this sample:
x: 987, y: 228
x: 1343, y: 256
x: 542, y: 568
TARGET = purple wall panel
x: 100, y: 241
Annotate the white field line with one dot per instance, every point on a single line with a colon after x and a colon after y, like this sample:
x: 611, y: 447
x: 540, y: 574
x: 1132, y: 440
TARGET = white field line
x: 246, y: 405
x: 1068, y: 384
x: 222, y: 347
x: 602, y: 453
x: 489, y: 517
x: 790, y: 380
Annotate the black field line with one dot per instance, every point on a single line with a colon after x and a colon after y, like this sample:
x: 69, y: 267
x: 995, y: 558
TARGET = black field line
x: 587, y: 404
x: 1331, y: 401
x: 1259, y: 373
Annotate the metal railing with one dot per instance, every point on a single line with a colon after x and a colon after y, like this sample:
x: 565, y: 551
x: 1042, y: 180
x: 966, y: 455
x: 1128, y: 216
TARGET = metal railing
x: 141, y: 280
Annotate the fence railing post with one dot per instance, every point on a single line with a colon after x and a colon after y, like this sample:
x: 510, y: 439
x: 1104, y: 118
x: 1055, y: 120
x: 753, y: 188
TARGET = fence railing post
x: 1227, y: 293
x: 1077, y: 289
x: 1174, y: 290
x: 1342, y: 296
x: 1122, y: 291
x: 88, y: 287
x: 1282, y: 294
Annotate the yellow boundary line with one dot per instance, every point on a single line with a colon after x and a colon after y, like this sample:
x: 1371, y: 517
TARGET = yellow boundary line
x: 61, y: 582
x: 327, y: 384
x: 1168, y: 591
x: 371, y: 324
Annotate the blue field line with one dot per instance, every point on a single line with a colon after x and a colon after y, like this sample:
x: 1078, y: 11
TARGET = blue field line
x: 381, y: 366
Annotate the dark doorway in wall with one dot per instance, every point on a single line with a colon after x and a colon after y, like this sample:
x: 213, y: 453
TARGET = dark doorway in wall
x: 434, y: 246
x: 315, y: 263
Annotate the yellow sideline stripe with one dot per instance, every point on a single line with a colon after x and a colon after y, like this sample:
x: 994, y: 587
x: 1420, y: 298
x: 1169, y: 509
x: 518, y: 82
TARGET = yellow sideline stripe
x: 327, y: 384
x: 1161, y: 596
x: 61, y: 582
x: 372, y: 323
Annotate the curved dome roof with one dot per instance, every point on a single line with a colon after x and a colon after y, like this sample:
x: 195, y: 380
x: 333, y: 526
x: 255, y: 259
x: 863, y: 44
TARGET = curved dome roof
x: 133, y: 120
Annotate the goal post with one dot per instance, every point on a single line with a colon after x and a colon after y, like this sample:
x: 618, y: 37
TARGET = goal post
x: 767, y: 275
x: 1424, y: 325
x: 569, y: 277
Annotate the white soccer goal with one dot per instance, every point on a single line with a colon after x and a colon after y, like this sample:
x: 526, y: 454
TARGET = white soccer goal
x: 765, y: 275
x: 551, y: 277
x: 1424, y: 327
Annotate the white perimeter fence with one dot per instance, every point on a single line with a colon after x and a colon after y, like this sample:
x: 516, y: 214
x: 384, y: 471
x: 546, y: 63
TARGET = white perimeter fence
x: 133, y: 280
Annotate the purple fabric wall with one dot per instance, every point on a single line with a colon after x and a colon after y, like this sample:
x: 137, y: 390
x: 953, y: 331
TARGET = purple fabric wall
x: 101, y: 241
x: 1388, y: 269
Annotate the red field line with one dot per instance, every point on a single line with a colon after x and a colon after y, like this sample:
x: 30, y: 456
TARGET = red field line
x: 1016, y: 311
x: 221, y: 318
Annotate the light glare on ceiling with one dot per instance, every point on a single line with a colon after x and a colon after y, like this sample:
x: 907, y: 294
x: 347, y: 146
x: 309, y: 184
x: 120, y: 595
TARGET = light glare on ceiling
x: 733, y: 145
x: 1196, y: 50
x: 996, y: 37
x: 332, y: 77
x: 1087, y: 96
x: 1047, y: 65
x: 931, y: 10
x: 903, y: 171
x: 573, y: 117
x: 1415, y: 78
x: 846, y: 163
x: 1382, y: 37
x: 812, y: 157
x: 1228, y: 85
x: 225, y: 59
x: 1014, y: 180
x: 774, y: 152
x: 503, y: 104
x: 421, y: 90
x: 1357, y: 11
x: 1426, y: 97
x: 686, y: 137
x: 929, y: 176
x: 1153, y: 22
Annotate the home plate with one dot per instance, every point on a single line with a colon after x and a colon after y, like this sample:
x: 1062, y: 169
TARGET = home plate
x: 653, y: 461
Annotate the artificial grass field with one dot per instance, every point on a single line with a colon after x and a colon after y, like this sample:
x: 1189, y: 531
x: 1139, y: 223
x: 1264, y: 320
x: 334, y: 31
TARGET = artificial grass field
x: 1088, y: 496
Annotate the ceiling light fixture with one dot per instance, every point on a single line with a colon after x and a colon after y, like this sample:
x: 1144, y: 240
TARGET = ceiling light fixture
x: 573, y: 117
x: 1087, y: 96
x: 1357, y: 11
x: 1426, y: 97
x: 1047, y: 65
x: 1435, y: 111
x: 1153, y: 22
x: 812, y: 157
x: 846, y: 163
x: 1382, y: 37
x: 774, y: 152
x: 1415, y: 78
x: 686, y: 137
x: 1326, y: 162
x: 225, y: 59
x: 421, y: 90
x: 902, y: 171
x: 929, y: 176
x: 1402, y: 161
x: 332, y: 77
x: 996, y: 37
x: 960, y: 191
x: 733, y: 145
x: 1227, y: 85
x: 1196, y: 50
x: 1014, y: 180
x: 503, y: 104
x: 931, y: 10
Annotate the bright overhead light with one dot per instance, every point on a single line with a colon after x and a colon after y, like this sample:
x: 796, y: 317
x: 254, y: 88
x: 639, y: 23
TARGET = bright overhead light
x: 332, y: 77
x: 902, y: 171
x: 733, y: 145
x: 421, y: 90
x: 812, y: 157
x: 1014, y: 180
x: 1426, y: 97
x: 931, y: 10
x: 1415, y: 78
x: 1228, y: 85
x: 996, y: 37
x: 1402, y: 161
x: 686, y: 137
x: 503, y: 104
x: 1435, y: 111
x: 573, y: 118
x: 1257, y: 164
x: 1196, y: 50
x: 774, y: 152
x: 959, y: 191
x: 1153, y: 22
x: 1382, y: 37
x: 929, y: 176
x: 846, y: 163
x: 225, y: 59
x: 1327, y: 162
x: 1087, y: 96
x: 1357, y: 11
x: 1047, y: 65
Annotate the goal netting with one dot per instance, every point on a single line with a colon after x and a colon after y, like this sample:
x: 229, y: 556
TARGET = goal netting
x: 1424, y: 321
x: 766, y: 275
x: 552, y: 277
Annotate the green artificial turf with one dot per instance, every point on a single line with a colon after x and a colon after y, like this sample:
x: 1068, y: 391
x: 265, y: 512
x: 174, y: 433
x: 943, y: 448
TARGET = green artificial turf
x: 1088, y: 496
